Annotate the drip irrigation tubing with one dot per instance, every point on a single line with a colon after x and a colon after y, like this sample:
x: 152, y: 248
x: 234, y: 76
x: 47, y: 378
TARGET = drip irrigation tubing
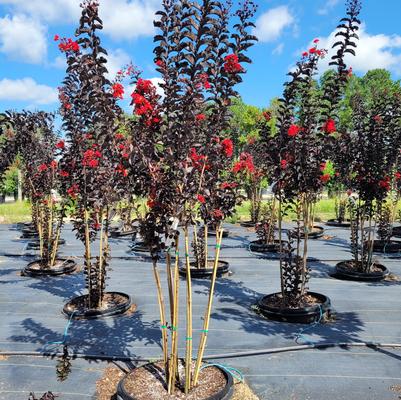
x: 250, y: 353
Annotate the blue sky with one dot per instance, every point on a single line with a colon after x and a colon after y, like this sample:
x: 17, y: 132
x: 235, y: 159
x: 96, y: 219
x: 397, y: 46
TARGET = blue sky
x: 32, y: 67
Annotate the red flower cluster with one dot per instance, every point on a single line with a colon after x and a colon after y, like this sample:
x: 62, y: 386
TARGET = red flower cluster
x: 378, y: 119
x: 284, y: 164
x: 200, y: 117
x: 118, y: 91
x: 67, y: 45
x: 385, y: 183
x: 218, y: 214
x: 325, y: 178
x: 121, y: 170
x: 226, y: 185
x: 119, y: 136
x: 144, y: 100
x: 198, y: 160
x: 64, y: 100
x: 53, y: 164
x: 323, y: 166
x: 330, y: 126
x: 397, y: 176
x: 293, y: 130
x: 245, y: 163
x: 231, y: 65
x: 228, y: 147
x: 204, y: 81
x: 60, y: 145
x: 91, y: 158
x: 73, y: 191
x: 160, y: 63
x: 64, y: 174
x: 42, y: 168
x: 201, y: 199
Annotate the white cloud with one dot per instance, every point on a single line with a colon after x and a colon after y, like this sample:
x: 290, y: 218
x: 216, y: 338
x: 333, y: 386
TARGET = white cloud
x: 28, y: 91
x: 270, y: 25
x: 373, y: 51
x: 278, y: 50
x: 23, y: 39
x: 123, y: 19
x: 330, y: 4
x: 116, y: 59
x: 59, y: 62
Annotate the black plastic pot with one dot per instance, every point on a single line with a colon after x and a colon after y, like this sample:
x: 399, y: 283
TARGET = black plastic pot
x: 24, y: 225
x: 140, y: 247
x: 29, y: 233
x: 381, y: 246
x: 68, y: 267
x: 334, y: 222
x: 258, y: 247
x: 346, y: 274
x: 116, y: 233
x: 92, y: 313
x: 397, y: 231
x: 212, y: 232
x: 225, y: 394
x: 35, y: 244
x: 318, y: 232
x: 223, y: 268
x: 247, y: 224
x: 304, y: 315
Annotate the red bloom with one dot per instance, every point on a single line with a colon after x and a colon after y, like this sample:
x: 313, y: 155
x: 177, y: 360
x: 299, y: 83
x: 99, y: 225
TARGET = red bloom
x: 60, y: 144
x: 151, y: 203
x: 305, y: 54
x: 64, y: 174
x: 385, y: 183
x: 119, y: 136
x: 125, y: 155
x: 245, y: 163
x: 118, y: 91
x: 73, y: 191
x: 228, y: 147
x: 144, y: 86
x: 56, y: 38
x: 93, y: 163
x: 330, y: 126
x: 231, y: 65
x: 53, y: 164
x: 284, y: 164
x: 96, y: 225
x: 204, y: 78
x: 378, y: 119
x: 312, y: 50
x: 121, y: 170
x: 323, y: 166
x: 397, y: 175
x: 226, y: 185
x: 349, y: 73
x: 316, y: 41
x: 325, y: 178
x: 42, y: 168
x: 68, y: 45
x: 201, y: 199
x: 200, y: 117
x: 217, y: 213
x: 293, y: 130
x: 160, y: 63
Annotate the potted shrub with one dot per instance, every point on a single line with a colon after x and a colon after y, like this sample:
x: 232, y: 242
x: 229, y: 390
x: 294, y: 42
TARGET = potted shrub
x: 297, y: 156
x: 179, y: 143
x: 374, y: 148
x: 91, y: 162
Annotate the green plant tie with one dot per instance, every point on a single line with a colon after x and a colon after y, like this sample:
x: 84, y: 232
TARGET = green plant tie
x: 205, y: 330
x: 174, y: 328
x: 188, y: 338
x: 164, y: 327
x: 177, y: 253
x: 186, y: 255
x: 218, y: 246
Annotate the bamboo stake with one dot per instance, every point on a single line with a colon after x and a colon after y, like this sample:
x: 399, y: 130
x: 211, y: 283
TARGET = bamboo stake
x: 205, y: 330
x: 188, y: 355
x: 173, y: 364
x: 206, y: 240
x: 162, y: 312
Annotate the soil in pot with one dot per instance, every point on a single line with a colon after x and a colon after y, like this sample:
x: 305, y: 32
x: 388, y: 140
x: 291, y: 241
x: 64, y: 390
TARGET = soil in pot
x: 311, y: 309
x: 348, y: 270
x: 339, y: 224
x: 61, y: 267
x: 149, y: 383
x: 316, y: 233
x: 115, y: 303
x: 258, y: 246
x: 382, y: 246
x: 223, y: 268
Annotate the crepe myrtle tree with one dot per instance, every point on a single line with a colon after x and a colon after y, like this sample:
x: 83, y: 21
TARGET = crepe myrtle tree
x: 91, y: 160
x: 375, y: 144
x: 182, y: 153
x: 297, y: 154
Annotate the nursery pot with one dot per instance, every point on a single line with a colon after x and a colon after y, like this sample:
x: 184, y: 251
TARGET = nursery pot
x: 118, y: 233
x: 258, y: 246
x: 35, y: 244
x: 150, y: 374
x: 29, y: 233
x: 211, y: 231
x: 24, y: 225
x: 382, y: 246
x: 248, y: 224
x: 62, y: 266
x: 346, y: 271
x: 304, y: 315
x: 223, y: 268
x: 115, y: 303
x: 396, y: 231
x: 317, y: 232
x: 140, y: 247
x: 336, y: 223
